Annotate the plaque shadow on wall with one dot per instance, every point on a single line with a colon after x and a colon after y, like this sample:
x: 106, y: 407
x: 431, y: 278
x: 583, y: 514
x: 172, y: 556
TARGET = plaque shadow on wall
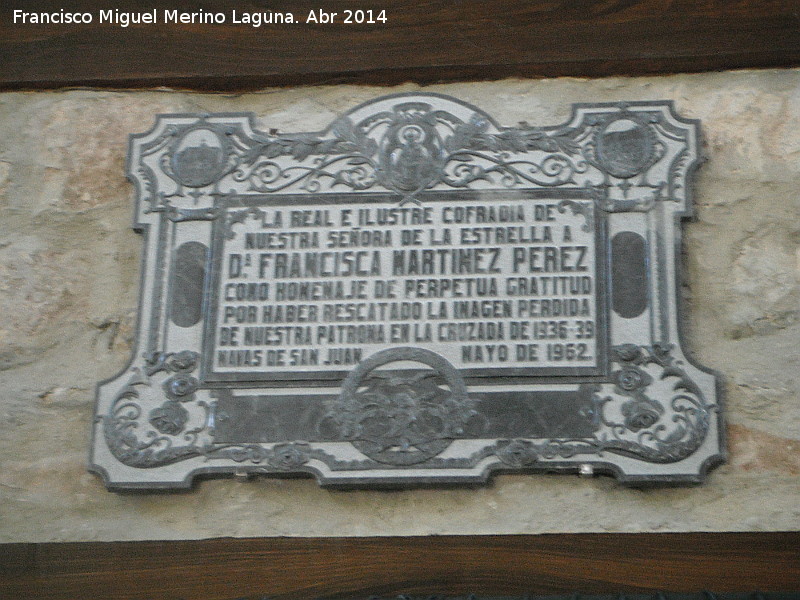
x: 416, y: 295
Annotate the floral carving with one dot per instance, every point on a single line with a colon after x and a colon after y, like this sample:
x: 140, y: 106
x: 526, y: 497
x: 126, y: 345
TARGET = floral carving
x: 631, y: 424
x: 180, y: 387
x: 170, y: 362
x: 184, y: 361
x: 124, y: 427
x: 171, y: 440
x: 630, y: 379
x: 409, y: 149
x: 169, y: 418
x: 518, y: 453
x: 629, y: 353
x: 156, y: 447
x: 288, y: 456
x: 641, y: 413
x: 397, y: 417
x: 413, y: 147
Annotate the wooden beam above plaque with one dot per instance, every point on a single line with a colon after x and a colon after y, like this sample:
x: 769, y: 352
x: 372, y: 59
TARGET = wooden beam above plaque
x: 245, y: 46
x: 416, y: 294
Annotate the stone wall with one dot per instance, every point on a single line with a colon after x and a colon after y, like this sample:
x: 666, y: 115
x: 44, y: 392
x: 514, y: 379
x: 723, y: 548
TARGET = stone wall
x: 68, y: 297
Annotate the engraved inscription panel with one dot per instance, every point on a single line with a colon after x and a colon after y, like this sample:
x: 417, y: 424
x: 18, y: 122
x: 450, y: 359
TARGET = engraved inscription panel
x: 414, y: 295
x: 496, y: 284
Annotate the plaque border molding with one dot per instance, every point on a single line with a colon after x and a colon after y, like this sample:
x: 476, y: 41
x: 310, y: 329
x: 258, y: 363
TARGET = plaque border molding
x: 656, y: 413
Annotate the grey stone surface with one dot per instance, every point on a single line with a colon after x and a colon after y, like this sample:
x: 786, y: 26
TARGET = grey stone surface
x: 69, y: 278
x: 613, y: 172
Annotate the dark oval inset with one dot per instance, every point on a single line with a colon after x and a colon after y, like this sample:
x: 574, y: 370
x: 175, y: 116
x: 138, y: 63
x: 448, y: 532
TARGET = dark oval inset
x: 187, y: 284
x: 625, y: 148
x: 199, y: 157
x: 629, y: 293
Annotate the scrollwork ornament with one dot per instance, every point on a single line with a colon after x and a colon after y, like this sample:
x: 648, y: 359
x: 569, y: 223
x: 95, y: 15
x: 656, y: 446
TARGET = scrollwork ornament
x: 240, y: 216
x: 160, y: 436
x: 158, y: 362
x: 628, y: 353
x: 585, y: 209
x: 281, y: 457
x: 147, y: 449
x: 409, y: 149
x: 521, y: 454
x: 642, y: 431
x: 127, y: 431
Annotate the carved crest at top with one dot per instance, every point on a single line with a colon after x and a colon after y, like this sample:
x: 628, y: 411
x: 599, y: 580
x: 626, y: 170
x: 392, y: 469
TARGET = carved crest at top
x: 626, y: 157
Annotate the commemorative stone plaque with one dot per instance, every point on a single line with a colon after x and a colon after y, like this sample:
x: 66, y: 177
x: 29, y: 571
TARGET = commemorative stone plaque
x: 416, y: 294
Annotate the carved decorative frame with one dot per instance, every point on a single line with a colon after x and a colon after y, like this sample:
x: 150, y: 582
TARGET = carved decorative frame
x: 645, y: 412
